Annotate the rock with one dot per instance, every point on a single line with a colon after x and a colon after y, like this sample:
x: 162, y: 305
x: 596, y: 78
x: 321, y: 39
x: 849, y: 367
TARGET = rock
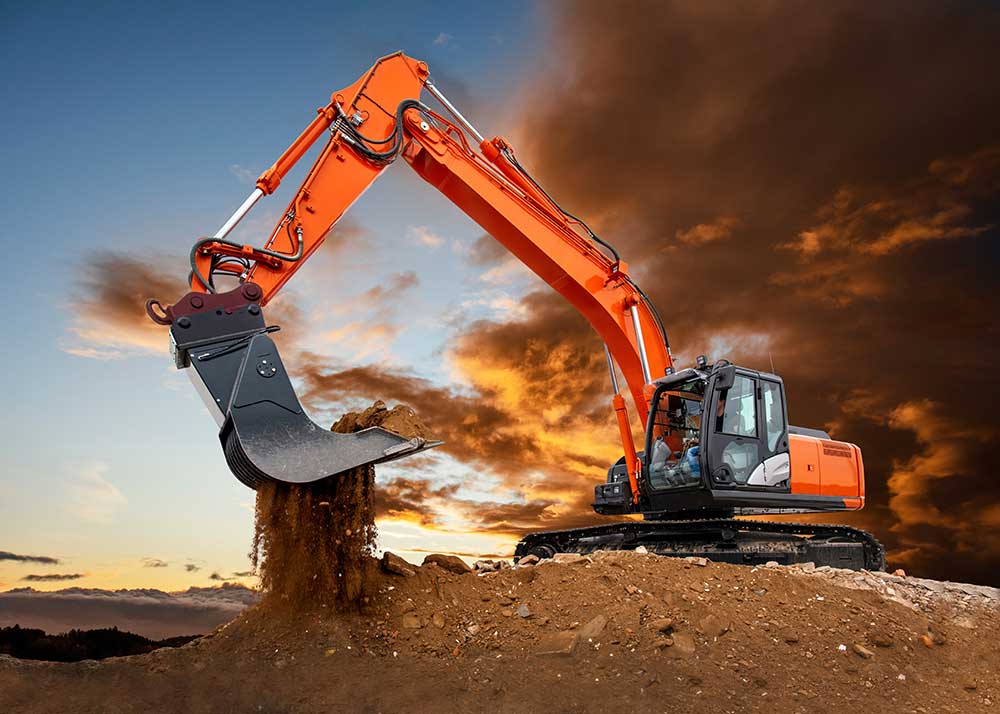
x: 863, y: 651
x: 791, y: 637
x: 772, y: 564
x: 934, y: 585
x: 661, y: 643
x: 507, y: 611
x: 528, y: 560
x: 593, y: 628
x: 570, y: 558
x: 664, y: 624
x: 472, y: 629
x: 712, y: 627
x: 392, y: 563
x: 807, y: 567
x: 437, y: 619
x: 485, y: 566
x: 899, y: 573
x: 641, y: 550
x: 700, y: 562
x: 560, y: 644
x: 525, y: 575
x: 411, y: 621
x: 879, y: 638
x: 451, y: 563
x: 631, y: 589
x: 523, y: 610
x: 683, y: 645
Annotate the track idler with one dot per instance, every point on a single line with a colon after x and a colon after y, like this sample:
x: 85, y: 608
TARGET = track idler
x: 266, y: 435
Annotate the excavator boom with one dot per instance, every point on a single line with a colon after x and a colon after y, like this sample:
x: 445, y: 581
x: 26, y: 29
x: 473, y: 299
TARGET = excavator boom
x: 264, y: 430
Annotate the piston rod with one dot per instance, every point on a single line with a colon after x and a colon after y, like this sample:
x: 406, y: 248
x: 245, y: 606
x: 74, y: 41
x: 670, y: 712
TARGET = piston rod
x: 643, y: 359
x: 244, y: 209
x: 454, y: 112
x: 611, y: 371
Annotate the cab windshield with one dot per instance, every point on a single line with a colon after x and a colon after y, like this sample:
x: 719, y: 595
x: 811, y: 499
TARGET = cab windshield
x: 675, y: 449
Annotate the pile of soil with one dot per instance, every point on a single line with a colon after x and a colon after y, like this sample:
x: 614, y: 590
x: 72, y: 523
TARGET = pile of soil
x: 619, y: 631
x: 313, y: 542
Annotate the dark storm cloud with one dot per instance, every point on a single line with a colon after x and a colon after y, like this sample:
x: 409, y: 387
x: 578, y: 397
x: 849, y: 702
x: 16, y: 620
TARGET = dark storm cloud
x: 16, y: 558
x: 813, y: 184
x: 52, y: 577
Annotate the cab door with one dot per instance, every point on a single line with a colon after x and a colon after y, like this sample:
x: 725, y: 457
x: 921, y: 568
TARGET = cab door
x: 731, y: 429
x: 775, y: 469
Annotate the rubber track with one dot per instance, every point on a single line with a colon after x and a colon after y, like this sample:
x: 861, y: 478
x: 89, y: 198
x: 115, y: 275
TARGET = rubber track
x: 874, y: 552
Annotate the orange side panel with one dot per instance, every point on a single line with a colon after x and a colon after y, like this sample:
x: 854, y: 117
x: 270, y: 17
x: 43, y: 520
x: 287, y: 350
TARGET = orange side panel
x: 822, y: 467
x: 838, y: 469
x: 804, y: 453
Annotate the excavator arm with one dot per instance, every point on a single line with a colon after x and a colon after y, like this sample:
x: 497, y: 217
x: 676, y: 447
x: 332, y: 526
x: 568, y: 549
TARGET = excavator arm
x: 370, y: 124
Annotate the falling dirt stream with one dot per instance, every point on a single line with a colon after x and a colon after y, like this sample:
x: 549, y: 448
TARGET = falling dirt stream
x: 313, y: 543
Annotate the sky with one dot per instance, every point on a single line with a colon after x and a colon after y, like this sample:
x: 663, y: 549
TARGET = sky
x: 810, y: 185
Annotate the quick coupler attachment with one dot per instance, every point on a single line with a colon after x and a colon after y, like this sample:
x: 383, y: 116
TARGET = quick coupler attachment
x: 224, y: 343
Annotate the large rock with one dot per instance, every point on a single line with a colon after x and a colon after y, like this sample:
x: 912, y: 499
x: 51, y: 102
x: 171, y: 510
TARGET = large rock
x: 560, y: 644
x: 593, y: 628
x: 683, y: 645
x: 664, y: 624
x: 712, y: 627
x: 392, y: 563
x: 451, y: 563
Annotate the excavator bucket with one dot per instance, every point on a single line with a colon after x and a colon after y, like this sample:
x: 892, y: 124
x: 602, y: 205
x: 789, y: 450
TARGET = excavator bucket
x: 265, y: 433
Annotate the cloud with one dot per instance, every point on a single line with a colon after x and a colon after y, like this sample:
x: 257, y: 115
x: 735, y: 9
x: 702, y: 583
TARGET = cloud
x: 858, y: 241
x: 374, y: 334
x: 42, y: 559
x: 150, y: 613
x: 108, y: 318
x: 215, y: 576
x: 442, y: 39
x: 422, y: 235
x: 154, y: 563
x: 533, y: 417
x: 191, y: 567
x: 720, y: 229
x: 92, y: 497
x: 52, y: 577
x: 244, y: 175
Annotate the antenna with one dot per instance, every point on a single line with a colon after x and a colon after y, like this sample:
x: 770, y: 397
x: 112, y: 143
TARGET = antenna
x: 772, y: 362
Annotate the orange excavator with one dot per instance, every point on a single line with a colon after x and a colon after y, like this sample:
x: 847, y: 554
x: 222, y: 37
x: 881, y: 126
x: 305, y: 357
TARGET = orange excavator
x: 717, y: 440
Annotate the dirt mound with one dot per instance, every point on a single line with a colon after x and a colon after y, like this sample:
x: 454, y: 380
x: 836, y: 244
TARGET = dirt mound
x: 313, y: 542
x: 620, y: 631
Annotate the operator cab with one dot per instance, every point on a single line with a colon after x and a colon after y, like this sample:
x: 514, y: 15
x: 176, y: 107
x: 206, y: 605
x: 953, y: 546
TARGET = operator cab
x: 716, y: 441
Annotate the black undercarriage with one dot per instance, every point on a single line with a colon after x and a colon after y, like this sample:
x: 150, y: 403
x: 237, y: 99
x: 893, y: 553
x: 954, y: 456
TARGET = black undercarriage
x: 741, y: 542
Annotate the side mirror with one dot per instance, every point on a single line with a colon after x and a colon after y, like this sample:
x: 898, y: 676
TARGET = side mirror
x: 725, y: 377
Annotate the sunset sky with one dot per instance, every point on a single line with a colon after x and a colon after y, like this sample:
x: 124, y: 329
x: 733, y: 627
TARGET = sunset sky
x: 815, y: 185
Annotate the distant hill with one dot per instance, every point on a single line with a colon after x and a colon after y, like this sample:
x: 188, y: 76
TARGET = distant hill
x: 76, y: 645
x: 151, y: 613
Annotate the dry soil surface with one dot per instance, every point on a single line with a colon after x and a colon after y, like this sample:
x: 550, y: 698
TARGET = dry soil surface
x: 619, y: 631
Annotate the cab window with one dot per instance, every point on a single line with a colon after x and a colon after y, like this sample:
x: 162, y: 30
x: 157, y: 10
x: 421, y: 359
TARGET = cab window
x: 774, y: 414
x: 736, y: 413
